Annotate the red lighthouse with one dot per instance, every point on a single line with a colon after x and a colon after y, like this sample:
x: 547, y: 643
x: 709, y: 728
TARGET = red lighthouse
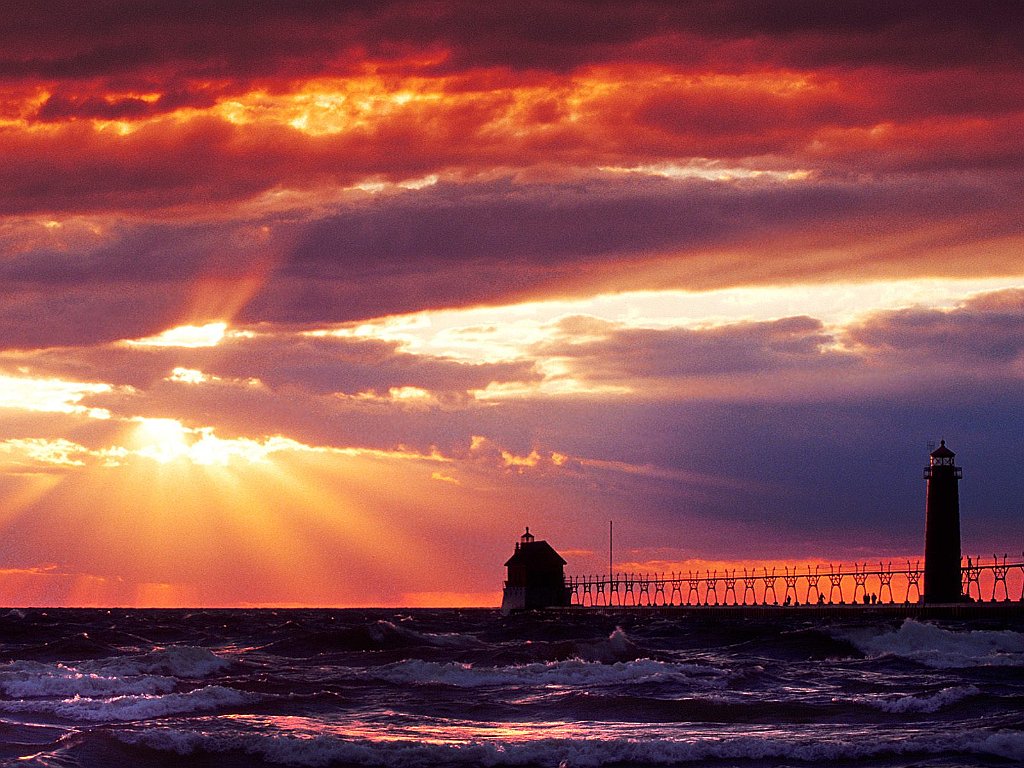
x: 942, y: 581
x: 536, y: 576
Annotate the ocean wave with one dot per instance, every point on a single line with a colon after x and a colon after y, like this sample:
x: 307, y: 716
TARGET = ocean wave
x: 618, y: 646
x: 384, y: 631
x: 33, y: 679
x: 181, y: 661
x: 74, y: 647
x: 133, y: 707
x: 156, y: 672
x: 926, y: 703
x: 941, y: 648
x: 573, y: 672
x: 373, y: 636
x: 310, y: 750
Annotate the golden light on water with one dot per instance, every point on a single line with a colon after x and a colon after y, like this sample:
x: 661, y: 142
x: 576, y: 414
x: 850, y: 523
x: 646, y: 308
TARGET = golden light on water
x: 458, y: 732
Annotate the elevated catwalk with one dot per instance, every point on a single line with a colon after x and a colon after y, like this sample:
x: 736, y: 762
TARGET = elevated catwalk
x: 1002, y: 612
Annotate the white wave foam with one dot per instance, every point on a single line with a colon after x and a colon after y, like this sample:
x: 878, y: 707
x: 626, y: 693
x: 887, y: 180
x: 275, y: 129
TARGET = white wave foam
x: 617, y: 647
x: 595, y: 750
x: 157, y: 672
x: 133, y: 707
x: 182, y: 661
x: 926, y: 703
x: 31, y: 679
x: 573, y: 672
x: 943, y: 648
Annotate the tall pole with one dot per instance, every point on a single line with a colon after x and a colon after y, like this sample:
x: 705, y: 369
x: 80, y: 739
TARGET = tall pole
x: 610, y: 574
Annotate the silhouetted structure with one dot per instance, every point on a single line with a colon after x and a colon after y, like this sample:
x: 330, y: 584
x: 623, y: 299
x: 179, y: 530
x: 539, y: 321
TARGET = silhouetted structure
x: 942, y: 574
x: 536, y: 576
x: 994, y: 590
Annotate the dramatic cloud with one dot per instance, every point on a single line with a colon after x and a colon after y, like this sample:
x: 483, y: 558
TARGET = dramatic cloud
x: 636, y: 355
x: 496, y: 242
x: 181, y: 105
x: 306, y: 295
x: 985, y: 335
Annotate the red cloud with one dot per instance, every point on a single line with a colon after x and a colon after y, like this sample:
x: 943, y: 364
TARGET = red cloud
x: 798, y: 86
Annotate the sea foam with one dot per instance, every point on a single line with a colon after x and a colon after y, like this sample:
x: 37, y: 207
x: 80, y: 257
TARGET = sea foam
x: 31, y: 679
x: 133, y: 707
x: 181, y: 661
x: 156, y: 672
x: 590, y: 752
x: 941, y: 648
x: 573, y: 672
x: 925, y: 702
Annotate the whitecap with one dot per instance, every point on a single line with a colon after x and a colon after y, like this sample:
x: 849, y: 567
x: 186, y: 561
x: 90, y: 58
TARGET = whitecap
x: 941, y: 648
x: 572, y: 672
x: 31, y: 679
x: 923, y: 702
x: 156, y: 672
x: 133, y: 707
x: 182, y: 661
x: 311, y: 750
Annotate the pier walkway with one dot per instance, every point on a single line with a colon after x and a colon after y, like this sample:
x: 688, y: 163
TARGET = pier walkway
x: 996, y: 582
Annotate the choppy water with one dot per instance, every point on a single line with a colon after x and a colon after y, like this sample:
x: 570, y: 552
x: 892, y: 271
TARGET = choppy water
x: 471, y: 688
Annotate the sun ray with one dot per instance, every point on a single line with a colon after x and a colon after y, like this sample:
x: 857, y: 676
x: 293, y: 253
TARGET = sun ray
x: 185, y: 336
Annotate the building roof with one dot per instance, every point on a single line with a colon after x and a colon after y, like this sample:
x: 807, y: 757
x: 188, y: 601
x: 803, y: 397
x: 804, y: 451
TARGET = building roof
x: 942, y: 452
x: 533, y: 554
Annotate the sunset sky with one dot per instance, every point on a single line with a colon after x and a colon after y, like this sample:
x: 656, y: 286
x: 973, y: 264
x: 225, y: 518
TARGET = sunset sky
x: 312, y: 303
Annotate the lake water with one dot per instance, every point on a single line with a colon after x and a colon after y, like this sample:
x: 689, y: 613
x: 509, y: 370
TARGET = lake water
x: 415, y: 689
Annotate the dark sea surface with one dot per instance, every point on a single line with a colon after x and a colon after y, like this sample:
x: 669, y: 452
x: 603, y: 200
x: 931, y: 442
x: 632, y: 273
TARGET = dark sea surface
x: 102, y: 688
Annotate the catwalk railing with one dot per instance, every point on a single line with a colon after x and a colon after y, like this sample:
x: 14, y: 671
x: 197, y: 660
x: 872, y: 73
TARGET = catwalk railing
x: 997, y: 580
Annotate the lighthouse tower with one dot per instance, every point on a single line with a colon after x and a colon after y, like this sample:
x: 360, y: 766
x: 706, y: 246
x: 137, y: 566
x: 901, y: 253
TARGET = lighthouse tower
x: 942, y: 582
